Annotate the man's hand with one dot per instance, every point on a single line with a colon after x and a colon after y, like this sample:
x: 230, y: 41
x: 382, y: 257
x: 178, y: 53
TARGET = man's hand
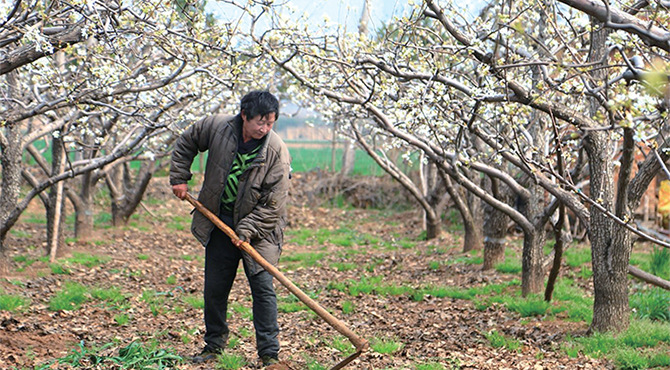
x: 180, y: 190
x: 238, y: 242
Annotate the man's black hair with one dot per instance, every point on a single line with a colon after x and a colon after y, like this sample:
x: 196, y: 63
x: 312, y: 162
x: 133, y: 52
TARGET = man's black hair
x: 259, y: 103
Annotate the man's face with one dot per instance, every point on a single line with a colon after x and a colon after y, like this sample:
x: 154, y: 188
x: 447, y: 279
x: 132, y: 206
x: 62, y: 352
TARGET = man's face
x: 257, y: 127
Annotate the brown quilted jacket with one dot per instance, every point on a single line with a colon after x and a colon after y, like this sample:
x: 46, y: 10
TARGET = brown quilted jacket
x: 260, y: 209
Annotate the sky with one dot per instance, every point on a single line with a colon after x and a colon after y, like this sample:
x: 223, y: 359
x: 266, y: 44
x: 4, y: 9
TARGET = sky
x: 343, y: 12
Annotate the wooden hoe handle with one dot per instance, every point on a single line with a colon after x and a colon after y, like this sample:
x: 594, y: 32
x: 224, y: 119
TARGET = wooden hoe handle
x: 358, y: 342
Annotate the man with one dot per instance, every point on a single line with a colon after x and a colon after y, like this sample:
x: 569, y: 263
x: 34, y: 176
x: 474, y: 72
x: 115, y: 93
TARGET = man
x: 246, y: 182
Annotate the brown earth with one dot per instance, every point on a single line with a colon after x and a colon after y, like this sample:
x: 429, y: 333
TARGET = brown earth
x: 443, y: 330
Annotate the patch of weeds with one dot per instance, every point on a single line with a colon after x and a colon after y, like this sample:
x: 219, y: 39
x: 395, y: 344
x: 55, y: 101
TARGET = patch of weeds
x: 343, y: 266
x: 342, y: 345
x: 510, y: 266
x: 230, y: 361
x: 659, y: 359
x: 405, y: 243
x: 12, y: 303
x: 348, y: 307
x: 364, y: 286
x: 313, y: 364
x: 112, y: 296
x: 499, y: 340
x: 245, y: 332
x: 139, y: 356
x: 59, y: 269
x: 527, y: 307
x: 102, y: 218
x: 659, y: 262
x: 472, y: 259
x: 651, y: 304
x: 194, y: 301
x: 495, y: 288
x: 233, y: 342
x: 630, y: 359
x: 121, y: 319
x: 596, y: 345
x: 585, y: 272
x: 70, y: 298
x: 577, y: 256
x: 450, y: 292
x: 36, y: 218
x: 71, y: 239
x: 434, y: 265
x: 372, y: 265
x: 142, y: 257
x: 385, y: 346
x: 430, y: 366
x: 155, y: 300
x: 171, y: 280
x: 21, y: 234
x: 304, y: 259
x: 240, y: 309
x: 432, y: 249
x: 393, y: 289
x: 88, y: 260
x: 645, y: 333
x: 289, y: 307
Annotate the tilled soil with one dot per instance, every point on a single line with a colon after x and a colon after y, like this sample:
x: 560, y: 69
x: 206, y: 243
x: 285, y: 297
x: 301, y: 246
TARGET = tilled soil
x: 143, y: 257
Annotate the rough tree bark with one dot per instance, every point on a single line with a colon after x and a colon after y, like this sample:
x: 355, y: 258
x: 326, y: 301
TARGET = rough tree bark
x: 10, y: 145
x: 608, y: 249
x: 495, y: 228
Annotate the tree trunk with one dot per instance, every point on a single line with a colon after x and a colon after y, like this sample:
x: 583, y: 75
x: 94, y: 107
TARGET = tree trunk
x: 83, y: 225
x: 474, y: 224
x: 10, y: 157
x: 610, y: 243
x: 348, y: 158
x: 55, y: 207
x: 495, y: 230
x: 127, y: 196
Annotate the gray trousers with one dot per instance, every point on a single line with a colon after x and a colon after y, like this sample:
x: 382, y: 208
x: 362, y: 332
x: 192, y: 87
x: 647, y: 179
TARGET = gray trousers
x: 222, y: 259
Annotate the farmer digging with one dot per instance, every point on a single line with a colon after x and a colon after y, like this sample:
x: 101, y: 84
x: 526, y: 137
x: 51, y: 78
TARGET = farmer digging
x: 246, y: 181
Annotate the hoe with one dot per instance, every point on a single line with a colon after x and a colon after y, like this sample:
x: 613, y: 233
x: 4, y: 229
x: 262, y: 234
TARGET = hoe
x: 359, y: 343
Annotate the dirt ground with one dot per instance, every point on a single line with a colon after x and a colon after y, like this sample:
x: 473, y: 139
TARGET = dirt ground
x: 443, y: 330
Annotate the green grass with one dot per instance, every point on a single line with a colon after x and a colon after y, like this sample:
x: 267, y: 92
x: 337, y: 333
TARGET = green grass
x: 510, y: 266
x: 21, y: 234
x: 70, y: 298
x: 385, y: 346
x: 342, y: 237
x: 577, y: 256
x: 644, y: 345
x: 659, y: 262
x: 499, y: 340
x: 306, y: 259
x: 59, y: 269
x: 343, y: 266
x: 342, y: 345
x: 171, y: 280
x: 240, y: 309
x: 112, y: 296
x: 651, y: 304
x: 230, y: 361
x: 88, y: 260
x: 348, y: 307
x: 121, y: 319
x: 308, y: 159
x: 155, y: 301
x: 194, y: 301
x: 12, y: 303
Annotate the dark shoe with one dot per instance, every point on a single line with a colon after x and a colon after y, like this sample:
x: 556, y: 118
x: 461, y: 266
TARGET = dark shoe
x: 269, y: 360
x: 208, y: 353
